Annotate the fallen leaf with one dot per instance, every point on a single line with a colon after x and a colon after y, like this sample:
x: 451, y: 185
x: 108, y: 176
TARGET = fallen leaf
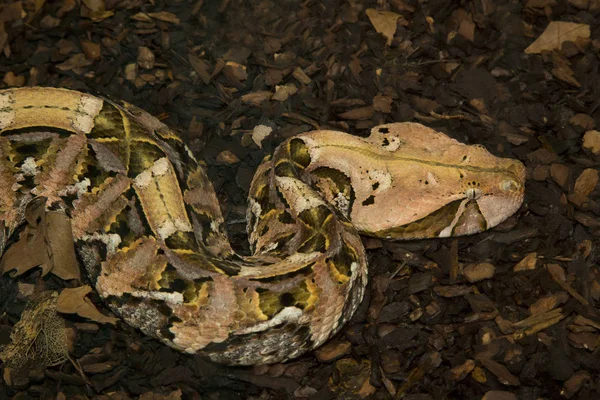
x: 46, y: 242
x: 30, y: 250
x: 39, y: 339
x: 59, y: 234
x: 384, y: 22
x: 556, y: 33
x: 259, y: 133
x: 74, y: 301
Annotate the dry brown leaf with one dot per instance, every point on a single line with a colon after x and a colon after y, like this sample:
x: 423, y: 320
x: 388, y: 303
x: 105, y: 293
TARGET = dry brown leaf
x: 62, y: 252
x: 556, y: 33
x: 74, y: 301
x: 39, y: 339
x: 46, y: 242
x: 259, y: 133
x: 30, y: 250
x: 384, y: 22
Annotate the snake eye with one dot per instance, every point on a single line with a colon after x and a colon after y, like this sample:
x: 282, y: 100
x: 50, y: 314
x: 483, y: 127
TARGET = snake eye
x: 509, y: 185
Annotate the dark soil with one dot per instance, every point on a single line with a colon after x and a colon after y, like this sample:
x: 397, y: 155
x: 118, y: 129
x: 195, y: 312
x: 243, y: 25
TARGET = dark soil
x: 424, y: 331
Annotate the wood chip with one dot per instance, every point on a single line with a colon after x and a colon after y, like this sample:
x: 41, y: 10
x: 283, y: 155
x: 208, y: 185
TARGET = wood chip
x: 587, y: 181
x: 283, y: 92
x: 591, y: 141
x: 560, y: 174
x: 301, y: 76
x: 358, y: 113
x: 145, y: 58
x: 227, y: 157
x: 256, y: 98
x: 164, y: 16
x: 479, y: 272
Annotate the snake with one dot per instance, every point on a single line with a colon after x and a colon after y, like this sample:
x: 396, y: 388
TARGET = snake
x: 149, y: 232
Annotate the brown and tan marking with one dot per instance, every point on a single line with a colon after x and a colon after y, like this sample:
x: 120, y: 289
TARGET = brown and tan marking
x: 149, y: 230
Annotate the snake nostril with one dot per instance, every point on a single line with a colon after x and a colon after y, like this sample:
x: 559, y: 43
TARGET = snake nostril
x: 473, y: 194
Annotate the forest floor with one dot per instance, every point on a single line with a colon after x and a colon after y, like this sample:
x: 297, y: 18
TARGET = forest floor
x: 506, y: 314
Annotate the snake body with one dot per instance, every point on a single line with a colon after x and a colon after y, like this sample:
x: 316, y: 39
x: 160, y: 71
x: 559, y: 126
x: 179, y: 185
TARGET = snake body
x: 149, y: 231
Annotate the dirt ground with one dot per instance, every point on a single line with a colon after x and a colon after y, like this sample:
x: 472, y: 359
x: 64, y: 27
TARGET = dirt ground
x: 507, y: 314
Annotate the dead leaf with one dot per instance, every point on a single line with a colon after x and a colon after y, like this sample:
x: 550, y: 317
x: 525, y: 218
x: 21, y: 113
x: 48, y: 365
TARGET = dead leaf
x: 556, y: 33
x: 384, y: 22
x: 62, y: 251
x: 74, y: 301
x: 46, y: 242
x: 30, y: 250
x: 259, y: 133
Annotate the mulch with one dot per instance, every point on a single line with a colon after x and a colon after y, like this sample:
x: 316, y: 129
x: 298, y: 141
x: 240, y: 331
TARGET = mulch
x: 506, y: 314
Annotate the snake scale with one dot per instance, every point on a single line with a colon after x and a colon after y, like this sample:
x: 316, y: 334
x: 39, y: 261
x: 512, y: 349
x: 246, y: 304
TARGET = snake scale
x: 149, y: 231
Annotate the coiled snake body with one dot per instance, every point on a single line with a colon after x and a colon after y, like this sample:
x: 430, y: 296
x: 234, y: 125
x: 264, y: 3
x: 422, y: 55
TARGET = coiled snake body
x: 149, y: 231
